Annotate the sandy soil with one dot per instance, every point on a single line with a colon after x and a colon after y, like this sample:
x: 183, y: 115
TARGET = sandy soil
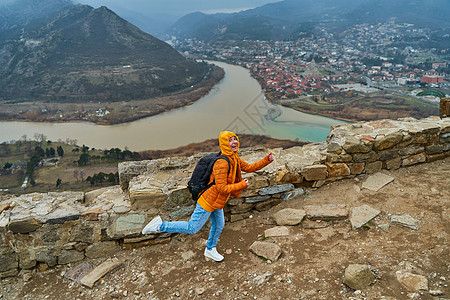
x: 314, y: 256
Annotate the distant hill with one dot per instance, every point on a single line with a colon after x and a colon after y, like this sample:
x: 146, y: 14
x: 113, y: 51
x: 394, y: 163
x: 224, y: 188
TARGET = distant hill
x: 289, y: 18
x: 67, y: 52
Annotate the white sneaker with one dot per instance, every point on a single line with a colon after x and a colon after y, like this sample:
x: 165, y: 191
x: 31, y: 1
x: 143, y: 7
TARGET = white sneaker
x: 213, y: 254
x: 152, y: 227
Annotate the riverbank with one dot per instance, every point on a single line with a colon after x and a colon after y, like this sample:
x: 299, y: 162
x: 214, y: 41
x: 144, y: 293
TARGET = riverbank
x: 108, y: 113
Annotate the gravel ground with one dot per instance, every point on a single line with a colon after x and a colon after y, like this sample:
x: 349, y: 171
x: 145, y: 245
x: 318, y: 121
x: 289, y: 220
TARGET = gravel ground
x: 314, y: 255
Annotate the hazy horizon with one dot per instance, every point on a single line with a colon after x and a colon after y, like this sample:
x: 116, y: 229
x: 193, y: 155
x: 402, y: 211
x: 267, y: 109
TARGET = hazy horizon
x: 177, y: 7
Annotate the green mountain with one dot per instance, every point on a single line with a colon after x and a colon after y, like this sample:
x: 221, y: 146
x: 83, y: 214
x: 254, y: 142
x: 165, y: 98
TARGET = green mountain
x: 78, y: 53
x: 289, y: 18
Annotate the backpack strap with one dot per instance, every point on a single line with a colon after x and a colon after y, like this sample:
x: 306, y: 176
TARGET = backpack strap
x: 220, y: 156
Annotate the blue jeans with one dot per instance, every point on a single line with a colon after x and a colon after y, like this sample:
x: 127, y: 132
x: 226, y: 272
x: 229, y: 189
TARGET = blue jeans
x: 196, y: 222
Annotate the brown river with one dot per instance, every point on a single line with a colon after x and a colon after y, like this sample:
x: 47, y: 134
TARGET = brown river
x: 236, y: 103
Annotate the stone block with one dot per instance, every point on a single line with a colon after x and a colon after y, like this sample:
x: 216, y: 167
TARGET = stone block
x: 285, y: 175
x: 62, y: 215
x: 411, y: 150
x: 412, y: 281
x: 434, y: 149
x: 92, y: 277
x: 337, y: 169
x: 25, y: 225
x: 376, y: 181
x: 102, y: 249
x: 147, y: 198
x: 271, y: 190
x: 326, y: 211
x: 27, y: 259
x: 266, y: 250
x: 357, y: 168
x: 257, y: 199
x: 276, y: 231
x: 131, y: 222
x: 67, y: 257
x: 182, y: 212
x: 435, y: 157
x: 387, y: 154
x: 289, y: 216
x: 353, y: 145
x: 47, y: 256
x: 10, y: 273
x: 52, y: 235
x: 180, y: 197
x: 374, y: 167
x: 358, y: 276
x: 362, y: 214
x: 82, y: 234
x: 406, y: 221
x: 8, y: 261
x: 339, y: 158
x: 388, y: 141
x: 314, y: 172
x: 363, y: 157
x: 394, y: 164
x: 414, y: 159
x: 130, y: 169
x: 257, y: 182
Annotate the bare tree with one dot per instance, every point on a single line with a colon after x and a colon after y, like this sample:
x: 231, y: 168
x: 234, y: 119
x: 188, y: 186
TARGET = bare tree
x: 82, y: 176
x: 75, y: 174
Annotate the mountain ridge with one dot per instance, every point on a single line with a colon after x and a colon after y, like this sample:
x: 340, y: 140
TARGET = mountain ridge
x: 283, y: 19
x: 85, y: 54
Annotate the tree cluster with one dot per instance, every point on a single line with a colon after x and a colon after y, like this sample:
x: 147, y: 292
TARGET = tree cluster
x: 100, y: 178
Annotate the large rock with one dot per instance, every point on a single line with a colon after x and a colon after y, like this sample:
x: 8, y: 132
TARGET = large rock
x: 25, y: 225
x: 358, y: 276
x: 276, y: 231
x: 414, y: 159
x: 82, y: 234
x: 353, y: 145
x: 131, y: 222
x: 315, y: 172
x: 376, y: 181
x: 362, y: 214
x: 271, y: 190
x: 326, y: 211
x: 180, y: 197
x: 266, y: 250
x: 406, y: 221
x: 388, y: 141
x: 147, y: 198
x: 412, y: 281
x: 289, y: 216
x: 67, y: 257
x: 337, y: 169
x: 8, y: 261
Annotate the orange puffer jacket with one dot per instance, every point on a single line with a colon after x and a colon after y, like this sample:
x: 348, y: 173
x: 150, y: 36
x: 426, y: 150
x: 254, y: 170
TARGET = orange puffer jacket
x: 227, y: 183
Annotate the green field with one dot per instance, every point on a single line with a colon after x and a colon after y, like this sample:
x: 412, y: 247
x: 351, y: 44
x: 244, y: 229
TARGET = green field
x: 71, y: 173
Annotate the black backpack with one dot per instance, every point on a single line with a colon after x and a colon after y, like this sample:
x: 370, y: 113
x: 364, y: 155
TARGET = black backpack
x: 202, y: 172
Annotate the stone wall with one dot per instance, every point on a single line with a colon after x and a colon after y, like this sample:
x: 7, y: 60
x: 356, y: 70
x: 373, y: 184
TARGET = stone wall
x: 42, y: 230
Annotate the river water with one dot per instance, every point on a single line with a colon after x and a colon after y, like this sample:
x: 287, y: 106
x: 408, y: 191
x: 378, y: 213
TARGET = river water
x: 236, y: 103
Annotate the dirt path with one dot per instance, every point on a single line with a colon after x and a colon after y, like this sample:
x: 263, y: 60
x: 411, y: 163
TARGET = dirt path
x: 313, y: 261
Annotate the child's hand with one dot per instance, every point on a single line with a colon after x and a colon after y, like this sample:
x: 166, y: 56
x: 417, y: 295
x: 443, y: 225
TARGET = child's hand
x: 246, y: 182
x: 270, y: 157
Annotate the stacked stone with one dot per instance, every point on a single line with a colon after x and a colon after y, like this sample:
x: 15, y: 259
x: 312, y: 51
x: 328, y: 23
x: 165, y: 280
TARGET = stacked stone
x: 45, y: 229
x: 59, y: 228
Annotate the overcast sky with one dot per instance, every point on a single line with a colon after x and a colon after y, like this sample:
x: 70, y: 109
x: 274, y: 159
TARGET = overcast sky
x: 177, y: 7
